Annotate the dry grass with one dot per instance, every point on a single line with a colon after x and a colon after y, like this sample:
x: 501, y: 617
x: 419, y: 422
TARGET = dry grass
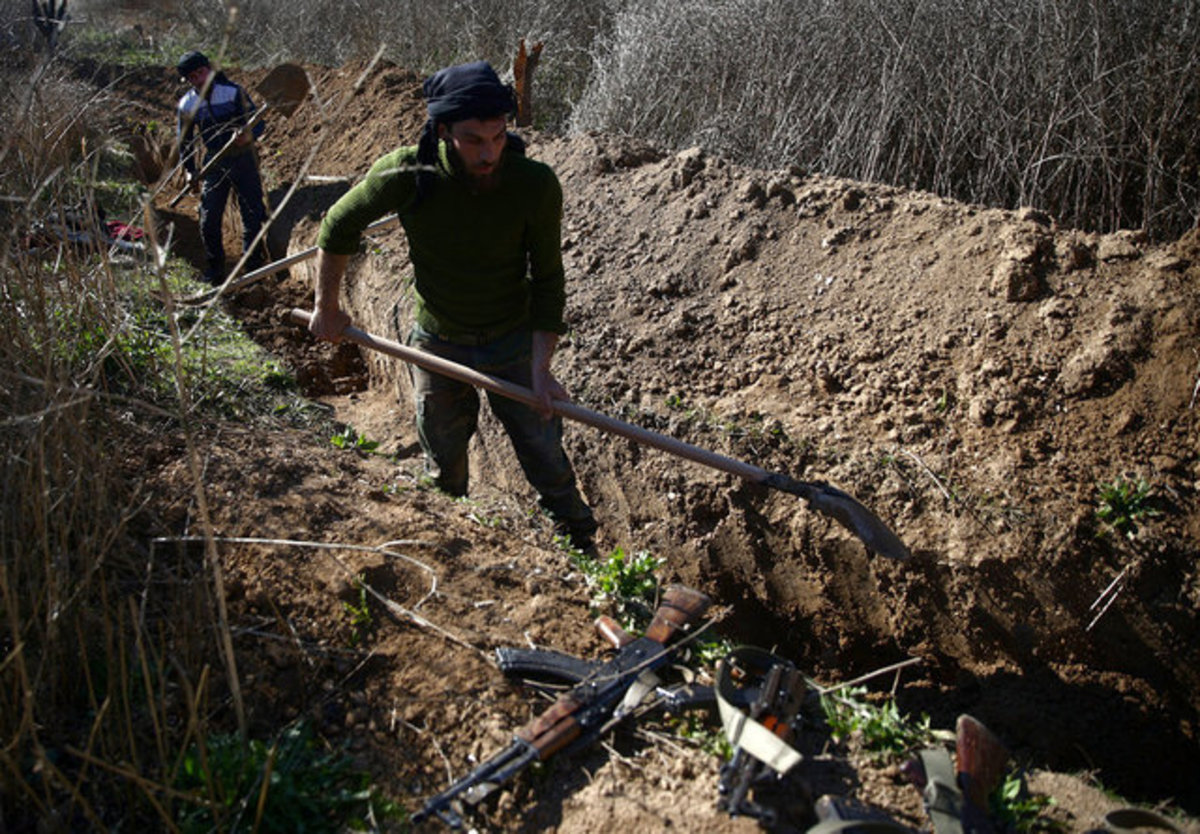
x: 116, y: 657
x: 1088, y: 112
x: 108, y: 649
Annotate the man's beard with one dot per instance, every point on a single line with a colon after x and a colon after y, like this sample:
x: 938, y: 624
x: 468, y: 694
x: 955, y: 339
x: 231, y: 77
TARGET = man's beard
x: 479, y: 181
x: 485, y: 182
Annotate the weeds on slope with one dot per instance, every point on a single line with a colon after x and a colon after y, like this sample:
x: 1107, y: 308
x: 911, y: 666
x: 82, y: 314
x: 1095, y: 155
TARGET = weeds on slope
x: 117, y: 669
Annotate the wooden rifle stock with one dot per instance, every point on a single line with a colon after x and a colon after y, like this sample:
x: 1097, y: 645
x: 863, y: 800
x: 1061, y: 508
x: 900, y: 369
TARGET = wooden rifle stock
x: 982, y: 761
x: 680, y: 607
x: 555, y: 728
x: 956, y: 796
x: 611, y: 631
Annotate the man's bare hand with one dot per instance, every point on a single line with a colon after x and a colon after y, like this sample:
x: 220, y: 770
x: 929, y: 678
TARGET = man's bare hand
x: 328, y: 319
x: 545, y: 386
x: 547, y: 389
x: 327, y: 325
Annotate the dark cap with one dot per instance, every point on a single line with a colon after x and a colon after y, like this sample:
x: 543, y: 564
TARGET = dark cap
x: 191, y: 61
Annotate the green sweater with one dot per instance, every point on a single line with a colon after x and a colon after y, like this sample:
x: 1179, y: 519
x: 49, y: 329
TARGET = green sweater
x: 483, y: 263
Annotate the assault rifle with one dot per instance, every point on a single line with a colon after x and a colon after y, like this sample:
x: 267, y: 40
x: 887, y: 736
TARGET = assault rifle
x: 583, y: 714
x: 762, y: 756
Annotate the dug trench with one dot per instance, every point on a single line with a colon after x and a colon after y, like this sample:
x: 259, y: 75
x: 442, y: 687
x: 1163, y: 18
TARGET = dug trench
x: 973, y: 375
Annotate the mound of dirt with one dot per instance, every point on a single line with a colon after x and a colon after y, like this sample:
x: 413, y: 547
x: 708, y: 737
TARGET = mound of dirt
x: 970, y: 374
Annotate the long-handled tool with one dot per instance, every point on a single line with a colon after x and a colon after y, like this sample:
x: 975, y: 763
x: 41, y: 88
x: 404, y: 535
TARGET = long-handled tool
x: 820, y: 496
x: 249, y: 278
x: 283, y: 89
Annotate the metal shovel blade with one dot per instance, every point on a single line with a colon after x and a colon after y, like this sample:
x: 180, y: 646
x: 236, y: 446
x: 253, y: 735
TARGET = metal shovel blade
x: 847, y: 511
x: 284, y: 88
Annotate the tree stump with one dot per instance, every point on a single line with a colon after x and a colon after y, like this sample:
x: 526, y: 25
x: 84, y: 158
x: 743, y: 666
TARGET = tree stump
x: 523, y: 67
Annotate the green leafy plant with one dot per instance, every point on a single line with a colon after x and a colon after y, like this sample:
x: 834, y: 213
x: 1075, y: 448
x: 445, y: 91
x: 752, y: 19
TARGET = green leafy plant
x: 348, y: 438
x: 942, y: 404
x: 709, y: 648
x: 620, y: 581
x: 492, y: 522
x: 360, y: 614
x: 294, y: 784
x: 1016, y: 809
x: 628, y: 576
x: 698, y: 727
x: 881, y: 731
x: 1124, y: 503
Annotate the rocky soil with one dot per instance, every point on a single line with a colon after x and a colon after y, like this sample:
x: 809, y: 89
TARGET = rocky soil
x: 970, y: 374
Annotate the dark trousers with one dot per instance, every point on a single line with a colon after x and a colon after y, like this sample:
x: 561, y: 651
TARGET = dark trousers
x: 240, y: 174
x: 448, y: 414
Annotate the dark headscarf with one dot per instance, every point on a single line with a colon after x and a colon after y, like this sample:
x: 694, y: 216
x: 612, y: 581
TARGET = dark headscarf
x: 465, y: 91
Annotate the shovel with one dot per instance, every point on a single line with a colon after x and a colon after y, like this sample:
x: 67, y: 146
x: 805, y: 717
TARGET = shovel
x: 822, y: 497
x: 283, y: 89
x: 243, y: 281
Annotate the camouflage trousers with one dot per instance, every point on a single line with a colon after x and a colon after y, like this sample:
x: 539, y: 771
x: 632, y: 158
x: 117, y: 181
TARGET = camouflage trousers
x: 448, y: 415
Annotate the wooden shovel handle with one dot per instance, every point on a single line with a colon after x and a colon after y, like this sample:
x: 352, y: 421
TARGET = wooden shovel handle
x: 565, y: 408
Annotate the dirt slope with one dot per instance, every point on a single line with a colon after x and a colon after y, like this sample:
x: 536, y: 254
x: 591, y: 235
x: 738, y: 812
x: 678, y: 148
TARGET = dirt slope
x: 970, y: 374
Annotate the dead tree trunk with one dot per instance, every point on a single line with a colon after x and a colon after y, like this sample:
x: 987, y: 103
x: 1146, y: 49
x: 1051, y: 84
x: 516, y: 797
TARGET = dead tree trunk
x: 523, y: 67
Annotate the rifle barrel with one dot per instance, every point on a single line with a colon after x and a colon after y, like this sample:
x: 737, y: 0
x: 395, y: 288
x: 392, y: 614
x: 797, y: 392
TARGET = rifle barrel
x: 503, y: 765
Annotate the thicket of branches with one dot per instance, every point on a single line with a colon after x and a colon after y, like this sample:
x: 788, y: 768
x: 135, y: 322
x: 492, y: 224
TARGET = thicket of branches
x: 111, y: 644
x: 420, y: 35
x: 84, y: 644
x: 1088, y: 110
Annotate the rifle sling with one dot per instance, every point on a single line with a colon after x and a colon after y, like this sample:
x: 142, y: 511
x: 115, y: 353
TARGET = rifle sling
x: 943, y: 799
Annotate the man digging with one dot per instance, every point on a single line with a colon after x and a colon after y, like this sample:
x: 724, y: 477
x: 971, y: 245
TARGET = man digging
x: 218, y: 110
x: 483, y: 224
